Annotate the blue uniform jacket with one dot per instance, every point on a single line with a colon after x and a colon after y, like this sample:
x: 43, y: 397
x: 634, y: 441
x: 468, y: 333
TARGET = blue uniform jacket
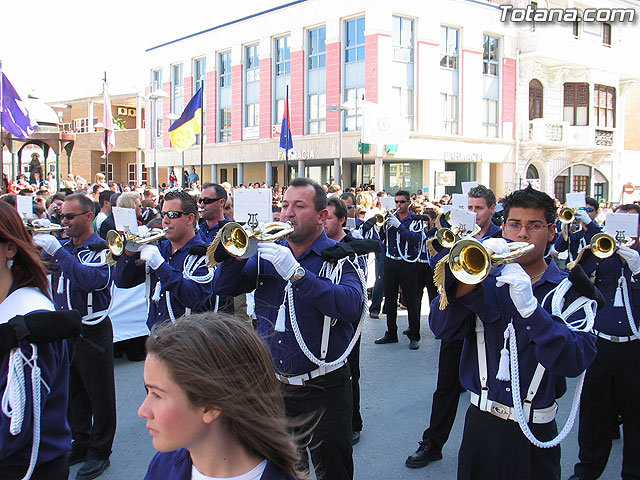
x: 609, y: 319
x: 576, y: 240
x: 208, y: 234
x: 184, y: 292
x: 83, y: 278
x: 542, y: 338
x: 177, y: 465
x: 410, y: 239
x: 314, y: 297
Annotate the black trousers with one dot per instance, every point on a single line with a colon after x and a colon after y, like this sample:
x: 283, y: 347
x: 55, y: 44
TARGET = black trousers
x: 611, y: 388
x: 398, y: 273
x: 324, y: 403
x: 496, y: 449
x: 354, y: 365
x: 425, y: 279
x: 447, y: 394
x: 57, y: 469
x: 92, y: 393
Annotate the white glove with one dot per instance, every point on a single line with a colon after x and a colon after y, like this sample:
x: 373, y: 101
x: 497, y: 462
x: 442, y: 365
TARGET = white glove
x: 49, y: 243
x: 632, y: 257
x: 393, y: 222
x: 356, y: 234
x: 41, y: 222
x: 583, y: 216
x: 152, y: 256
x: 280, y: 256
x: 519, y: 288
x: 143, y: 231
x: 496, y: 245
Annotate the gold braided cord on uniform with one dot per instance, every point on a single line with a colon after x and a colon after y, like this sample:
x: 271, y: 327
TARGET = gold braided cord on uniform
x: 570, y: 265
x: 432, y: 250
x: 565, y: 231
x: 439, y: 278
x: 211, y: 251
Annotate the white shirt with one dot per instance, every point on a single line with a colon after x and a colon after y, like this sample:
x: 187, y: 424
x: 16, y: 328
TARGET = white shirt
x: 254, y: 474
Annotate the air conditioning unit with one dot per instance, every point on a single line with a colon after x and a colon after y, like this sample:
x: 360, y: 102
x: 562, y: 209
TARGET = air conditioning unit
x: 122, y: 111
x: 132, y: 112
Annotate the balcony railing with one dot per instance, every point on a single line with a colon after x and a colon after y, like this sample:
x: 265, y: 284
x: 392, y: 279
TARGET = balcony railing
x: 604, y: 138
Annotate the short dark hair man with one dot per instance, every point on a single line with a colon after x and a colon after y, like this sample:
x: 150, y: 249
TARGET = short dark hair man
x: 212, y: 200
x: 574, y: 242
x: 293, y: 270
x: 482, y: 201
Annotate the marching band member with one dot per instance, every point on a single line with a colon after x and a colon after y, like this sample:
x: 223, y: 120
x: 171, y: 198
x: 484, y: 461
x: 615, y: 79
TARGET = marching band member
x: 82, y: 280
x: 528, y: 316
x: 179, y: 280
x: 34, y: 435
x: 612, y: 386
x: 404, y: 237
x: 306, y: 309
x: 588, y: 228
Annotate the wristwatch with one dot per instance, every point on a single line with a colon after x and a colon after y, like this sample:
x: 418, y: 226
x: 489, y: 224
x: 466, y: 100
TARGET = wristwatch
x: 298, y: 274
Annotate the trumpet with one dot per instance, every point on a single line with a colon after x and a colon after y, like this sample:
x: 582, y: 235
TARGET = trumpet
x: 567, y: 215
x: 54, y: 227
x: 383, y: 218
x: 447, y: 237
x: 470, y: 261
x: 603, y: 245
x: 119, y: 242
x: 241, y: 241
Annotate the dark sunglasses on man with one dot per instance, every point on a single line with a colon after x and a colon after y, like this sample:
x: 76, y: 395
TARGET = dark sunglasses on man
x: 71, y: 216
x: 208, y: 201
x: 172, y: 214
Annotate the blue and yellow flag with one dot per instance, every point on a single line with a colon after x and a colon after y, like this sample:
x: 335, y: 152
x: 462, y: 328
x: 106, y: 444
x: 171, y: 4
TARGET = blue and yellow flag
x: 183, y: 131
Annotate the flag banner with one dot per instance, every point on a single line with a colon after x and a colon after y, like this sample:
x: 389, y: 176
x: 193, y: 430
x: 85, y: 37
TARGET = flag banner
x: 286, y: 141
x: 15, y: 116
x: 107, y: 123
x: 183, y: 131
x: 382, y: 127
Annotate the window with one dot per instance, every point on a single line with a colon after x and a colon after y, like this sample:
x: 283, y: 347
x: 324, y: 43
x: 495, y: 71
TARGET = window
x: 110, y: 179
x: 316, y: 81
x: 354, y: 44
x: 449, y: 112
x: 132, y: 173
x: 81, y: 125
x: 449, y: 47
x: 156, y: 79
x: 490, y: 120
x: 177, y: 89
x: 576, y: 103
x: 604, y: 107
x: 402, y: 39
x: 576, y: 28
x: 581, y: 183
x: 534, y: 7
x: 224, y: 96
x: 283, y: 56
x: 353, y: 116
x: 606, y: 34
x: 199, y: 81
x: 403, y: 101
x: 490, y: 55
x: 156, y: 83
x: 252, y: 86
x: 316, y: 48
x: 535, y: 99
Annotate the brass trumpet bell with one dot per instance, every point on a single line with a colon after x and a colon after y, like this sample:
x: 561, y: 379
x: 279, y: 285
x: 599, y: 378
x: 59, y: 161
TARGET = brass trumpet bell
x: 242, y: 241
x: 383, y: 218
x: 602, y: 245
x: 567, y: 215
x: 446, y: 237
x: 117, y: 242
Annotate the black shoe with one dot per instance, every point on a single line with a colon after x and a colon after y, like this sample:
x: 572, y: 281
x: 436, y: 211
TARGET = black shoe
x: 386, y: 339
x: 76, y: 457
x: 92, y: 469
x: 424, y: 454
x: 374, y: 315
x: 405, y: 332
x: 414, y: 344
x: 574, y: 477
x: 356, y: 438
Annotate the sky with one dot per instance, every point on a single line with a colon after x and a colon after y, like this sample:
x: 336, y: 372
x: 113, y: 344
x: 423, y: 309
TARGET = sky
x: 60, y: 50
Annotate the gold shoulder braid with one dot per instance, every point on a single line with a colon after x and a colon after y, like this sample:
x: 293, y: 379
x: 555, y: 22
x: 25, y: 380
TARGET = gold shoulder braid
x: 432, y: 250
x: 438, y: 278
x: 211, y: 250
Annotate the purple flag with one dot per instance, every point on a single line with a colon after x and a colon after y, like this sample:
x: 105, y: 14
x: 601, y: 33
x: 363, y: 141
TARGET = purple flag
x: 15, y: 116
x: 286, y: 141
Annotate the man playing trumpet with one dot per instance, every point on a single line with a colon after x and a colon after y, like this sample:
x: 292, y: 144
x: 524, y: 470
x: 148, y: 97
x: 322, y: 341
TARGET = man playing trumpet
x: 517, y: 335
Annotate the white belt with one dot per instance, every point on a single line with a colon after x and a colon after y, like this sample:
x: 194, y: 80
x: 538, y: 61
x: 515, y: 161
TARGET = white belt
x: 540, y: 415
x: 305, y: 377
x: 614, y: 338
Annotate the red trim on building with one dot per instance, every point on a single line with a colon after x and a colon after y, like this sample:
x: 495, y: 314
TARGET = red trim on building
x: 479, y: 52
x: 296, y: 93
x: 266, y: 97
x: 428, y: 43
x: 166, y: 109
x: 211, y: 101
x: 147, y: 121
x: 188, y: 91
x: 334, y: 83
x: 461, y: 94
x: 371, y: 67
x: 509, y: 94
x: 237, y: 105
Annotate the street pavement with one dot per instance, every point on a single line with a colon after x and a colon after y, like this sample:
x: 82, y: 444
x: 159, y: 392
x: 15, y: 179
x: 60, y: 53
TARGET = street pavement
x: 396, y: 384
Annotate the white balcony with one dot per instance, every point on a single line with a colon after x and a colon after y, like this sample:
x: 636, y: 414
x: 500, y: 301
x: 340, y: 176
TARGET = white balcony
x: 550, y: 134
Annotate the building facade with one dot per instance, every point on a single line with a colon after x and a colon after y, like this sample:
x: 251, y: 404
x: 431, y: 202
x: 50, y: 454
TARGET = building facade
x: 498, y: 102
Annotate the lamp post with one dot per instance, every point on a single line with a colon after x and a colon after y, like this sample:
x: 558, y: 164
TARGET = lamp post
x: 340, y: 108
x: 173, y: 117
x: 154, y: 97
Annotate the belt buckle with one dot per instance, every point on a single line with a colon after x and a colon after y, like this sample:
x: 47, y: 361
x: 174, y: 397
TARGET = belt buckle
x: 499, y: 410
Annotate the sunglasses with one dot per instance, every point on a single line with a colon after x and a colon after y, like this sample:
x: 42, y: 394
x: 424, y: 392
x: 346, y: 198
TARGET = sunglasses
x: 589, y: 210
x: 401, y: 201
x: 172, y: 215
x: 208, y: 201
x: 349, y: 207
x: 71, y: 216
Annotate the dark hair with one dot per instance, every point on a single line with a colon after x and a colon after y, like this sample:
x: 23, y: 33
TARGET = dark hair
x: 592, y: 201
x: 627, y: 207
x: 28, y: 268
x: 403, y: 193
x: 53, y: 198
x: 483, y: 192
x: 220, y: 362
x: 95, y: 188
x: 340, y: 207
x: 65, y: 191
x: 105, y: 196
x: 530, y: 198
x: 220, y: 191
x: 275, y: 209
x: 320, y: 197
x: 85, y: 202
x: 113, y: 199
x: 431, y: 212
x: 10, y: 198
x: 187, y: 202
x: 350, y: 195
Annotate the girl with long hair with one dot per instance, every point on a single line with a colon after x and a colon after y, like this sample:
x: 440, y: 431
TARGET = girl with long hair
x: 214, y: 406
x: 33, y: 441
